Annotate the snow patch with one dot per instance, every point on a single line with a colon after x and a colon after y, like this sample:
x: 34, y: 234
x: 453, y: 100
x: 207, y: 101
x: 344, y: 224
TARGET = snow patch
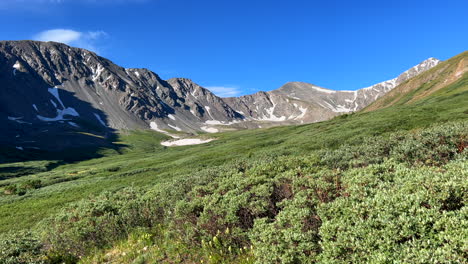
x: 213, y: 122
x: 185, y: 142
x: 303, y: 112
x: 208, y: 110
x: 271, y: 116
x: 338, y: 108
x: 61, y: 113
x: 73, y: 124
x: 154, y: 126
x: 342, y: 109
x: 53, y: 103
x: 385, y: 86
x: 55, y: 92
x: 17, y: 120
x: 99, y: 119
x: 323, y: 90
x: 16, y: 67
x: 355, y: 101
x: 97, y: 72
x: 209, y: 129
x: 174, y: 127
x: 232, y: 122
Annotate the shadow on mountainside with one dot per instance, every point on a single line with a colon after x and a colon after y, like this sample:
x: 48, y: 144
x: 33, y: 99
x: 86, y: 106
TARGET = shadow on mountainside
x: 30, y: 127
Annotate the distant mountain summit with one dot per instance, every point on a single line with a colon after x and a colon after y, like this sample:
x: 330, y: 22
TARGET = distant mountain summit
x: 299, y: 102
x: 52, y: 91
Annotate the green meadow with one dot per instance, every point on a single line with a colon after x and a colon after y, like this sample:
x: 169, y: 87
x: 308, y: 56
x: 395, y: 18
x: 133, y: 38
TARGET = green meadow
x: 384, y: 186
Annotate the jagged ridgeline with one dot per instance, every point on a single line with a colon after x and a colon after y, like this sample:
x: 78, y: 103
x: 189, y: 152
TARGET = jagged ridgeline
x: 55, y: 97
x: 382, y: 185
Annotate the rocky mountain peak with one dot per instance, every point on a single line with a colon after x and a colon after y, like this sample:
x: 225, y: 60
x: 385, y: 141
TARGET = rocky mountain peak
x: 413, y: 71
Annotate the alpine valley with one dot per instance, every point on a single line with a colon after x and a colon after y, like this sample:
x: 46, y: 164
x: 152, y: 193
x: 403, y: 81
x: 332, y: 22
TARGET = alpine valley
x: 102, y: 164
x: 55, y: 97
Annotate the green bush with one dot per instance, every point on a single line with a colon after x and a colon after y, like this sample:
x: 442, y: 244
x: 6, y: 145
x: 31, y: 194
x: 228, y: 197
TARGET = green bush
x: 31, y: 184
x: 292, y: 237
x: 239, y: 196
x: 21, y: 248
x: 98, y: 222
x: 397, y: 214
x: 394, y: 198
x: 434, y: 146
x: 21, y: 189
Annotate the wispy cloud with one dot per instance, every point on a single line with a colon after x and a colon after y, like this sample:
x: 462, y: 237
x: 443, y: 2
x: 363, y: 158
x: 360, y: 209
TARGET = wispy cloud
x: 224, y: 91
x: 86, y: 40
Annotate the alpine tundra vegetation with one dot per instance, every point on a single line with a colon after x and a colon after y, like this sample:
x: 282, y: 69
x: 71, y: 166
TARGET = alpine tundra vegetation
x: 387, y: 185
x: 258, y: 132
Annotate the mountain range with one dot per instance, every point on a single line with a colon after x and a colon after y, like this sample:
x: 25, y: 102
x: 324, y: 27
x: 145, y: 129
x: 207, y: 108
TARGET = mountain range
x: 55, y: 96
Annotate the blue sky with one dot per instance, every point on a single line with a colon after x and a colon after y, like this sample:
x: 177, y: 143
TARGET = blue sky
x: 243, y: 46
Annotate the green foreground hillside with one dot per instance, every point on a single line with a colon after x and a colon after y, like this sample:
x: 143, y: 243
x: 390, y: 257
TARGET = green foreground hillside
x: 371, y: 187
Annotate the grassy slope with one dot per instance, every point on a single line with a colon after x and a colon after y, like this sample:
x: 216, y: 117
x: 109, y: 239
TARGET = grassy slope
x: 146, y: 162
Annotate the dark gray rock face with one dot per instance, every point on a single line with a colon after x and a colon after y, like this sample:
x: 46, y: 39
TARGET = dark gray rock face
x: 51, y: 90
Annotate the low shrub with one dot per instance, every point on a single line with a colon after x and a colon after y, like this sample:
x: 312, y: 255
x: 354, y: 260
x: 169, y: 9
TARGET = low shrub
x: 238, y: 197
x: 21, y: 248
x: 98, y: 222
x: 395, y: 198
x: 396, y: 214
x: 432, y: 146
x: 22, y: 188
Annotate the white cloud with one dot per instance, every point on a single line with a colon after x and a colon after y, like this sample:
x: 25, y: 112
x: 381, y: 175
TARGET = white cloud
x: 224, y: 91
x: 59, y: 35
x: 86, y: 40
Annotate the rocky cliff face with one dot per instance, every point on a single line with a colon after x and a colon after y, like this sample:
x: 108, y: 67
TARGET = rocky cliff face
x: 51, y: 90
